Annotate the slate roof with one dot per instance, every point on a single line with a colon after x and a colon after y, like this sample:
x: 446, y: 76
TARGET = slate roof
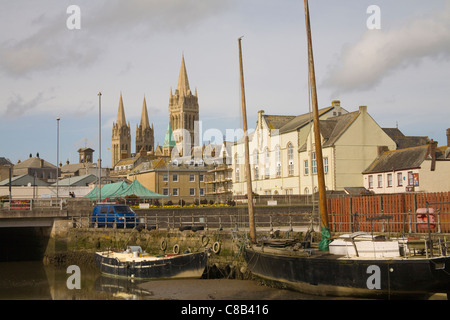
x: 33, y: 162
x: 23, y: 180
x: 401, y: 159
x: 84, y: 180
x: 290, y: 123
x: 331, y: 129
x: 5, y: 162
x: 403, y: 141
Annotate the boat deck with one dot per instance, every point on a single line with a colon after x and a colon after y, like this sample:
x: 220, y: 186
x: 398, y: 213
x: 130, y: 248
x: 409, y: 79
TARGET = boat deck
x: 134, y: 257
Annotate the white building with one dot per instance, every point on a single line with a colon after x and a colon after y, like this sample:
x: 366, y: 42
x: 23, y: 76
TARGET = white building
x: 274, y: 156
x: 417, y: 169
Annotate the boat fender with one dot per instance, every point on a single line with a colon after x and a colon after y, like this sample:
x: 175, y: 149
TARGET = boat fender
x: 176, y: 249
x: 163, y: 245
x: 216, y: 247
x: 205, y: 240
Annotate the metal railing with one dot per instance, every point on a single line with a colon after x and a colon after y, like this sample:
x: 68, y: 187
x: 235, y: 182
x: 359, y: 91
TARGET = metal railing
x: 172, y: 221
x: 30, y: 204
x: 438, y: 222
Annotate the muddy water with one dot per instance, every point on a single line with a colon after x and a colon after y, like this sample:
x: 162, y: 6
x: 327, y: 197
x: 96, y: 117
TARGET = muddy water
x: 32, y: 280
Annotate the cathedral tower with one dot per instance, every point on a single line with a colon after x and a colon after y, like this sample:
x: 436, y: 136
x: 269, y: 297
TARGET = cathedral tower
x: 144, y: 133
x: 184, y: 112
x: 121, y: 137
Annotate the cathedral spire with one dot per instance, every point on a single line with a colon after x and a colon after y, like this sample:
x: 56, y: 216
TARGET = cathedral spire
x: 183, y: 83
x: 121, y: 121
x: 144, y: 116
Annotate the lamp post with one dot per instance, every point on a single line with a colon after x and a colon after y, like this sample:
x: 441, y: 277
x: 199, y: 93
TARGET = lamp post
x: 99, y: 147
x: 57, y: 157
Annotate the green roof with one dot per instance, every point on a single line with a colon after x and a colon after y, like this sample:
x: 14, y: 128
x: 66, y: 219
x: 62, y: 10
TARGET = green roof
x: 122, y: 189
x: 168, y: 139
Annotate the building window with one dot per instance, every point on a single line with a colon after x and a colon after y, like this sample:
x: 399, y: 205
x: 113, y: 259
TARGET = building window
x: 267, y: 163
x: 191, y: 177
x: 202, y: 192
x: 166, y: 191
x: 175, y: 177
x: 389, y: 180
x: 306, y: 190
x: 255, y: 164
x: 165, y: 177
x: 399, y: 179
x: 380, y: 181
x: 237, y: 175
x: 370, y: 182
x: 278, y: 160
x: 410, y: 178
x: 192, y: 192
x: 201, y: 177
x: 306, y: 167
x: 314, y: 163
x: 175, y: 192
x: 325, y: 165
x: 290, y: 159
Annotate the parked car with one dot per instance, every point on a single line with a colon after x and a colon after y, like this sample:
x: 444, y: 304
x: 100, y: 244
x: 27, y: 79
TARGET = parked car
x: 111, y: 214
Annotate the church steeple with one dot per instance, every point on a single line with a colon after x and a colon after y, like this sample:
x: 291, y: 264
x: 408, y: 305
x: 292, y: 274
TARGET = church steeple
x: 144, y: 133
x: 121, y: 137
x: 121, y: 113
x: 184, y: 112
x: 144, y: 116
x: 183, y: 82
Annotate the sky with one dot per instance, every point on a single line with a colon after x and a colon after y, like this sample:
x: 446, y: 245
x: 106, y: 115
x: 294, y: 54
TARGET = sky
x: 54, y: 60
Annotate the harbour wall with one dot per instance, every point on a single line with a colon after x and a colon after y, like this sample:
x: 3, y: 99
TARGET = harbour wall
x: 68, y: 246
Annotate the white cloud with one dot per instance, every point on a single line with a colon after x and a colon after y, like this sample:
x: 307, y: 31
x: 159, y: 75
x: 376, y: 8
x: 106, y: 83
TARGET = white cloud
x: 379, y: 53
x: 48, y: 44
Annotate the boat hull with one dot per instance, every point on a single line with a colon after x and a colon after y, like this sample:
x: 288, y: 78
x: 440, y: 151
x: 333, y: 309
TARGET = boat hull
x: 330, y: 275
x: 190, y: 265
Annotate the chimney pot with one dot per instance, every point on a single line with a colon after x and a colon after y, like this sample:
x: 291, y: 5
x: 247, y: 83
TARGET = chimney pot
x: 448, y: 137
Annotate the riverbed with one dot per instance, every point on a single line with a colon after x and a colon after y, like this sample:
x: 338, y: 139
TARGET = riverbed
x: 33, y: 280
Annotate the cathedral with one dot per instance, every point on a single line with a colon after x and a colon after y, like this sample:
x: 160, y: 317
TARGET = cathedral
x: 183, y: 116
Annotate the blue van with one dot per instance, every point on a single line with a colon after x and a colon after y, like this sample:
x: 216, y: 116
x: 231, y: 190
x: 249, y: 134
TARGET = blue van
x: 110, y: 215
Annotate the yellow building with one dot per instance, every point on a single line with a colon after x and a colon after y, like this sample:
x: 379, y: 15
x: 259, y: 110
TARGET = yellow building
x: 185, y: 181
x: 350, y: 143
x: 274, y: 156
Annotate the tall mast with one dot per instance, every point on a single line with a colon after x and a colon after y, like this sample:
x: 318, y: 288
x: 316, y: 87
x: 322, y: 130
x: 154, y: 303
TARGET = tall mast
x: 247, y: 153
x: 317, y: 139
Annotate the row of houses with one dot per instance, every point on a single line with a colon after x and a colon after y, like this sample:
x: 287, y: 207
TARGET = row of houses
x: 359, y: 157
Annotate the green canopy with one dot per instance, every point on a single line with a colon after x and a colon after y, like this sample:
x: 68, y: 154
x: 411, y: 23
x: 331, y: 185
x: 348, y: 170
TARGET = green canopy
x: 139, y: 190
x: 122, y: 189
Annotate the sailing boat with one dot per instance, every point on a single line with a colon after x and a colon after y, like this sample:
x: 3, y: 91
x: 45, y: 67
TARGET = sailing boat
x: 357, y: 264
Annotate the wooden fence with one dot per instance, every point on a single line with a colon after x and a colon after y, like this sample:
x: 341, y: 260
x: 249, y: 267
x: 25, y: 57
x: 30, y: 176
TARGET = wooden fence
x: 390, y: 212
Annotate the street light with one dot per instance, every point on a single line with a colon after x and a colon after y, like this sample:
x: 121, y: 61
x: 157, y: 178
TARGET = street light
x: 57, y: 156
x: 99, y: 147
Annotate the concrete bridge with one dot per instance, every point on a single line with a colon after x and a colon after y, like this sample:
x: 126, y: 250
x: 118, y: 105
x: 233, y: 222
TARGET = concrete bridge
x: 26, y: 225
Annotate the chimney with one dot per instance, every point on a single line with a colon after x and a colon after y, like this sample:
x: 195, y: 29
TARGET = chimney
x: 448, y: 137
x: 382, y: 149
x: 433, y: 154
x: 260, y: 116
x: 336, y: 103
x: 363, y: 109
x: 41, y: 162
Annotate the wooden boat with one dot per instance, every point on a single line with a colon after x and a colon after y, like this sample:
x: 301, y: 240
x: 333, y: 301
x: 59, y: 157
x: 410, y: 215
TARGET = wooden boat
x: 133, y: 263
x: 361, y: 265
x: 356, y: 265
